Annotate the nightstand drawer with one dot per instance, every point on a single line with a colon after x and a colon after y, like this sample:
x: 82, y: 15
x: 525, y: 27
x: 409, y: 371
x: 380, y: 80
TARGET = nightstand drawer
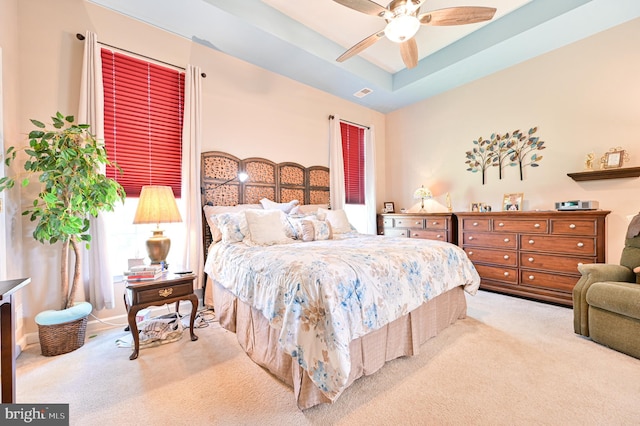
x: 159, y: 293
x: 409, y: 222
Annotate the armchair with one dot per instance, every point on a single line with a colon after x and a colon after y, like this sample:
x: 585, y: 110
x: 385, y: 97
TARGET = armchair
x: 606, y: 299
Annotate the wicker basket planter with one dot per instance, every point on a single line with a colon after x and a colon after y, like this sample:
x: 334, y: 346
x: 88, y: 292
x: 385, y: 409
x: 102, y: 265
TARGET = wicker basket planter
x: 63, y: 331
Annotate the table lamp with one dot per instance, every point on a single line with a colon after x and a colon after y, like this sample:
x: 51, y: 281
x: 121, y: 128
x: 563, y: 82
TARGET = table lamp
x: 422, y: 193
x: 157, y: 205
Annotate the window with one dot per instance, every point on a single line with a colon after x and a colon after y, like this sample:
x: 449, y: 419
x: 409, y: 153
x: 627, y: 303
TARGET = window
x: 143, y: 113
x: 353, y: 157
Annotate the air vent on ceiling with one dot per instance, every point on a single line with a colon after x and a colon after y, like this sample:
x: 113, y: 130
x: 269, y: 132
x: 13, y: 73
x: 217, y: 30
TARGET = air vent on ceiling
x: 362, y: 93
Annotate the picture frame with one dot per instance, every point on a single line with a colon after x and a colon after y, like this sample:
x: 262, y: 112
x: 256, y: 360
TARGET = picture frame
x: 389, y: 207
x: 475, y: 207
x: 613, y: 159
x: 513, y: 202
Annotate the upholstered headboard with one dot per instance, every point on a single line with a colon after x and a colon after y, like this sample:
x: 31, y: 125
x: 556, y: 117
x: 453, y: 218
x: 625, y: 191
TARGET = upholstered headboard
x: 279, y: 182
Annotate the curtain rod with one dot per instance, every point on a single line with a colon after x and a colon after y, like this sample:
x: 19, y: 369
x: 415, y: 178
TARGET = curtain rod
x: 82, y: 37
x: 331, y: 117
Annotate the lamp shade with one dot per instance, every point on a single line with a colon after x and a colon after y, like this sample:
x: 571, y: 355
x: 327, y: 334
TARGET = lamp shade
x: 422, y: 193
x: 402, y: 28
x: 157, y: 205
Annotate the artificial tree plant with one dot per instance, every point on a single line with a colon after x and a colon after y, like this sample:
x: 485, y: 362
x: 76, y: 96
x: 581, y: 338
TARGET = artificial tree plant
x: 67, y: 160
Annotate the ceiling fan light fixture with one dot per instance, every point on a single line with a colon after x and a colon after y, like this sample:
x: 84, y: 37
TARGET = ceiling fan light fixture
x: 402, y: 28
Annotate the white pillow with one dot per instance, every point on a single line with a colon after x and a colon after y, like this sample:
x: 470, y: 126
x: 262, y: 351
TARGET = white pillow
x: 337, y: 218
x: 211, y: 211
x: 308, y: 229
x: 266, y: 228
x: 272, y: 205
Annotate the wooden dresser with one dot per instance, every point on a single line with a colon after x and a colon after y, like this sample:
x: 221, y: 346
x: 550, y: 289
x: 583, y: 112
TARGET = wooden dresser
x: 431, y: 226
x: 533, y: 254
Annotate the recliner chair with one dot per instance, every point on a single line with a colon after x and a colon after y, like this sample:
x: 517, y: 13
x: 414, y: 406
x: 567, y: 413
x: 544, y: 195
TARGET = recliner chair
x: 606, y: 299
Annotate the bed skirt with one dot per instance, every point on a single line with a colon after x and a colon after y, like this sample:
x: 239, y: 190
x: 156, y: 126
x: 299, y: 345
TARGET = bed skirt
x: 369, y: 353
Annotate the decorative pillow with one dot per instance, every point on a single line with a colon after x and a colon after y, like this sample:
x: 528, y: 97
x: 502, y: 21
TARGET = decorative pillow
x: 266, y: 228
x: 312, y: 229
x: 305, y: 209
x: 272, y: 205
x: 211, y: 211
x: 233, y: 226
x: 338, y: 219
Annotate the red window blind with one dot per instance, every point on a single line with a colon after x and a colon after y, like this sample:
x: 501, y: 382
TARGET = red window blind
x: 143, y: 113
x: 353, y: 157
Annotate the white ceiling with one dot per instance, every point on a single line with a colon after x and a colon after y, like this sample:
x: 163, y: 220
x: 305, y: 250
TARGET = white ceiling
x: 301, y: 39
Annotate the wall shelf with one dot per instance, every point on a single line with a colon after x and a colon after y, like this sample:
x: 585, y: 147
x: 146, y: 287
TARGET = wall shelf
x: 623, y: 172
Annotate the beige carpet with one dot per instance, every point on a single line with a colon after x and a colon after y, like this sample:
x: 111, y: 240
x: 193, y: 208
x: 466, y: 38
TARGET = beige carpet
x: 510, y: 362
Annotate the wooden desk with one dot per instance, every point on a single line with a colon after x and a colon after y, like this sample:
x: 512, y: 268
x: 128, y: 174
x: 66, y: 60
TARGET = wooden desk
x: 167, y: 289
x: 8, y: 338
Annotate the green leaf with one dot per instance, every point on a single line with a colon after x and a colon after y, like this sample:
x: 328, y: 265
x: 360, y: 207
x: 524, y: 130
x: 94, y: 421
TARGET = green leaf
x: 36, y: 134
x: 25, y: 182
x: 38, y: 124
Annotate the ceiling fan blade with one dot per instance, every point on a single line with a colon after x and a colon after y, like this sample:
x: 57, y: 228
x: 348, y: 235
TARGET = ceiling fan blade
x: 365, y: 6
x: 409, y: 52
x: 457, y: 15
x: 360, y: 46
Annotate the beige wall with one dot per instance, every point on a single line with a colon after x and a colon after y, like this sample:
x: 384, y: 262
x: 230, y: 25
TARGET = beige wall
x: 583, y: 98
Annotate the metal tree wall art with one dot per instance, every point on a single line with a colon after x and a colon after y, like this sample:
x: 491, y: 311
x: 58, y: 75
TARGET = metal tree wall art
x: 524, y: 145
x: 480, y: 157
x: 510, y: 149
x: 503, y: 148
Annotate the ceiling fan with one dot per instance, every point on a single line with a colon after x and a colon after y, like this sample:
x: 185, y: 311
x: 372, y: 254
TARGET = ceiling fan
x: 404, y: 20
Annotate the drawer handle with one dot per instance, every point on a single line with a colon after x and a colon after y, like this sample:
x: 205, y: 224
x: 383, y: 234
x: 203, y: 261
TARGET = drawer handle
x: 531, y: 277
x: 506, y: 240
x: 580, y: 244
x: 537, y: 225
x: 572, y: 226
x: 165, y: 292
x: 438, y: 236
x: 475, y: 223
x: 470, y: 238
x: 434, y: 223
x: 530, y: 259
x: 501, y: 224
x: 470, y: 253
x: 418, y: 223
x: 531, y: 241
x: 506, y: 257
x: 506, y: 274
x: 415, y: 235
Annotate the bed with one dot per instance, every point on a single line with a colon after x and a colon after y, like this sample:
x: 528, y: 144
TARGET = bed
x: 321, y: 308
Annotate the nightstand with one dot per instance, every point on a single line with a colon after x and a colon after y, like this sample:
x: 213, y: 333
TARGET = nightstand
x: 167, y: 289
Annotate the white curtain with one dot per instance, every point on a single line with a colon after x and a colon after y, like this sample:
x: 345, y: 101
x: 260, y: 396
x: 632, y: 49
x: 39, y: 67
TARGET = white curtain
x: 97, y: 272
x: 193, y: 257
x: 370, y: 180
x: 336, y: 165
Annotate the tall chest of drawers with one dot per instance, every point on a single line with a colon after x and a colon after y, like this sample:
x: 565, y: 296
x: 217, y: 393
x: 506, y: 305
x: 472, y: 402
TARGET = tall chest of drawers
x: 431, y: 226
x: 533, y: 254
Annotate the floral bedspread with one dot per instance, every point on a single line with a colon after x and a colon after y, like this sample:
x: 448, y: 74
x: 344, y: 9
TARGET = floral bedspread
x: 323, y: 294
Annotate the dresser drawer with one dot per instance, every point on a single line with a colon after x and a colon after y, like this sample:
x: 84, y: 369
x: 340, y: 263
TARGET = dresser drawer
x: 507, y: 241
x: 409, y: 222
x: 435, y: 223
x: 392, y: 232
x: 573, y: 227
x: 509, y: 275
x: 428, y: 235
x: 545, y: 280
x: 476, y: 224
x: 497, y: 257
x: 553, y: 262
x: 532, y: 225
x: 585, y: 246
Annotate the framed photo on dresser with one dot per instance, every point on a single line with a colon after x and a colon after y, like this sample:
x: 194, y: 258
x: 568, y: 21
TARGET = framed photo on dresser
x: 512, y: 202
x: 389, y: 207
